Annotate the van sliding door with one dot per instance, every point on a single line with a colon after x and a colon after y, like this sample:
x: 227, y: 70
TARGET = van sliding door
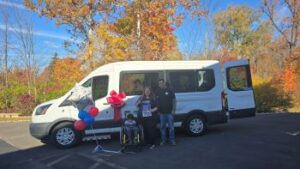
x: 240, y: 96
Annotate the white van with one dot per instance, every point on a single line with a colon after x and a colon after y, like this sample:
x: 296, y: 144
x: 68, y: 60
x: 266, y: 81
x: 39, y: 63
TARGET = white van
x: 200, y: 88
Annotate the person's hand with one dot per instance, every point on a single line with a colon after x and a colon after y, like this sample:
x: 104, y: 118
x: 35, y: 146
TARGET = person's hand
x: 138, y: 102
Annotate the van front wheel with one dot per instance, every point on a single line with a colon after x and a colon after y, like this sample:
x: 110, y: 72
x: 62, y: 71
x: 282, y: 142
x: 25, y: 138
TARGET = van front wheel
x: 195, y: 125
x: 64, y: 136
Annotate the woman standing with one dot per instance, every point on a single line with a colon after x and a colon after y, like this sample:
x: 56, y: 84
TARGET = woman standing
x: 148, y: 115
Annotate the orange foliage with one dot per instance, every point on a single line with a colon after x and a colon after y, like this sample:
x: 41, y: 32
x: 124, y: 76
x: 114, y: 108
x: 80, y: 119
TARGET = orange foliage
x: 67, y: 70
x: 111, y: 26
x: 285, y: 81
x: 289, y: 80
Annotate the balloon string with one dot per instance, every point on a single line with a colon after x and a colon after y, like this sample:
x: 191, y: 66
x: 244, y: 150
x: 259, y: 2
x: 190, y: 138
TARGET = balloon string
x: 97, y: 142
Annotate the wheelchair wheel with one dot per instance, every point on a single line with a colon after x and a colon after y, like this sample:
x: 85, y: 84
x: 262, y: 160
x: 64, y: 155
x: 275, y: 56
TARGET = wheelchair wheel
x: 123, y: 137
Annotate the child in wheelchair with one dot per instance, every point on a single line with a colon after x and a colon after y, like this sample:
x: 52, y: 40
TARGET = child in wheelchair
x: 131, y: 132
x: 131, y: 127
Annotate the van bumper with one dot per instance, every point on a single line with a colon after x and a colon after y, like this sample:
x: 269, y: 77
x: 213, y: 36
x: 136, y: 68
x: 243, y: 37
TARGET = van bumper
x: 40, y: 130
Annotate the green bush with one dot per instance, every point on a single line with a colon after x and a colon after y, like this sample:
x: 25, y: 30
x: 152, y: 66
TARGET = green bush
x: 271, y: 99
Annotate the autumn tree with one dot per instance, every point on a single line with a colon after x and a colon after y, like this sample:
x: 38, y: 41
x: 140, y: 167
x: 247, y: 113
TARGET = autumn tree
x: 67, y: 70
x: 25, y: 49
x: 59, y: 77
x: 285, y: 18
x: 81, y: 17
x: 242, y: 33
x: 121, y: 30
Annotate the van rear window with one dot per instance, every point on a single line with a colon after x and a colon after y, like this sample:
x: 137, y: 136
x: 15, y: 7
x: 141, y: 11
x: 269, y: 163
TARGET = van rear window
x: 239, y: 78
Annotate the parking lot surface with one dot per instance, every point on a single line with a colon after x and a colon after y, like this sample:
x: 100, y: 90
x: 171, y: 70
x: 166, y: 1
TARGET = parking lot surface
x: 265, y: 141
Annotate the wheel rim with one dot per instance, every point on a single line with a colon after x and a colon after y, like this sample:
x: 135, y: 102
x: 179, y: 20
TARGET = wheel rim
x: 196, y: 125
x: 65, y: 136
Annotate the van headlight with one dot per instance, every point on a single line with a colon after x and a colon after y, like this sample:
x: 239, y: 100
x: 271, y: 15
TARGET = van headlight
x: 42, y: 110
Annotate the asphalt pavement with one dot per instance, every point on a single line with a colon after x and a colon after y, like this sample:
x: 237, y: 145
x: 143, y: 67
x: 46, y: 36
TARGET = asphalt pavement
x: 265, y: 141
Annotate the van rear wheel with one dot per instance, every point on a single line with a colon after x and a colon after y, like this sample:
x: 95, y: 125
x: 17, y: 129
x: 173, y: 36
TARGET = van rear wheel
x: 195, y: 125
x: 64, y: 136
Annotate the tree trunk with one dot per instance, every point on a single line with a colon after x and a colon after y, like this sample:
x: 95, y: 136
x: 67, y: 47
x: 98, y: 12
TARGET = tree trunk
x: 6, y: 61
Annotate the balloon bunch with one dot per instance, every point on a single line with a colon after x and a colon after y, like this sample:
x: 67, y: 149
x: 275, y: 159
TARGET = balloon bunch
x: 116, y: 101
x: 86, y: 118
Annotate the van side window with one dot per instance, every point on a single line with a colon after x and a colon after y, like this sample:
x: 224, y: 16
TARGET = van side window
x: 238, y: 78
x: 100, y: 87
x: 182, y: 81
x: 205, y: 79
x: 132, y: 83
x: 87, y: 84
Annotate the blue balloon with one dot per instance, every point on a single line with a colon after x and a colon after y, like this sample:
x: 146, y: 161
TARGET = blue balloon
x: 89, y: 120
x: 82, y: 114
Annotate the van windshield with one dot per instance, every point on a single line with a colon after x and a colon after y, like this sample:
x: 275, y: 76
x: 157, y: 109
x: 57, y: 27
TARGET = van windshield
x: 80, y: 97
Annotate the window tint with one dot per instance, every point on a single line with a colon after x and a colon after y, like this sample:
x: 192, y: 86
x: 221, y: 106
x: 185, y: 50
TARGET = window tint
x: 238, y: 78
x: 132, y: 83
x: 191, y: 80
x: 205, y: 80
x: 182, y: 81
x: 100, y: 87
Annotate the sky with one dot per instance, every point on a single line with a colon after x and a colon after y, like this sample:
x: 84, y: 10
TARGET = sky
x: 192, y: 36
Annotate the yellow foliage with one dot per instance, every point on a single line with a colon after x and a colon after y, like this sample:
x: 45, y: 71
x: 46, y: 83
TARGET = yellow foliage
x: 67, y: 70
x: 258, y: 80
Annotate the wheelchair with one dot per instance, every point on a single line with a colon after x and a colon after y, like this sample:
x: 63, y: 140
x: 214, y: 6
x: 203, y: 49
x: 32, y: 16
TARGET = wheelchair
x: 135, y: 141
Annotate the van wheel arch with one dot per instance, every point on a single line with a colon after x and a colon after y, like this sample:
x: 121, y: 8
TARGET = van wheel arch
x: 197, y: 117
x: 58, y: 122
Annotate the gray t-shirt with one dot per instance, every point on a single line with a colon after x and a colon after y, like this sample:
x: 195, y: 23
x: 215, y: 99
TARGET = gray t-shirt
x: 130, y: 123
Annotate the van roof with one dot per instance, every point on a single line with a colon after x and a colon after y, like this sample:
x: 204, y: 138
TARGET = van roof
x: 153, y: 65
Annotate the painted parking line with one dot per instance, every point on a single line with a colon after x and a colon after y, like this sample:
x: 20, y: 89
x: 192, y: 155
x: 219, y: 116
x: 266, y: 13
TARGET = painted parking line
x: 94, y: 166
x: 293, y: 133
x: 102, y: 161
x: 57, y: 160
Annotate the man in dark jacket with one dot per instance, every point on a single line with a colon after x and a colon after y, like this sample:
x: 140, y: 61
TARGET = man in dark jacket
x: 166, y: 105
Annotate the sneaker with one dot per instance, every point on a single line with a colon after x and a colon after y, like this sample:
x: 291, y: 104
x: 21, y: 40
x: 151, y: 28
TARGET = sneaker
x: 152, y: 147
x: 162, y: 143
x: 173, y: 143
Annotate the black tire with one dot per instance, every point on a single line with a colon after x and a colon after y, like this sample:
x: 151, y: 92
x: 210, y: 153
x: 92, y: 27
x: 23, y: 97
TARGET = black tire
x: 195, y: 125
x: 64, y: 135
x: 122, y: 135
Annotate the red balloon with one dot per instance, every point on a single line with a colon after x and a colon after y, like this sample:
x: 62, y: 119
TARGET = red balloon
x: 94, y: 111
x: 79, y: 125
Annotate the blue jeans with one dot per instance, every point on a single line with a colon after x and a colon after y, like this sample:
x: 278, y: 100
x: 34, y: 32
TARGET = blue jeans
x: 167, y: 119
